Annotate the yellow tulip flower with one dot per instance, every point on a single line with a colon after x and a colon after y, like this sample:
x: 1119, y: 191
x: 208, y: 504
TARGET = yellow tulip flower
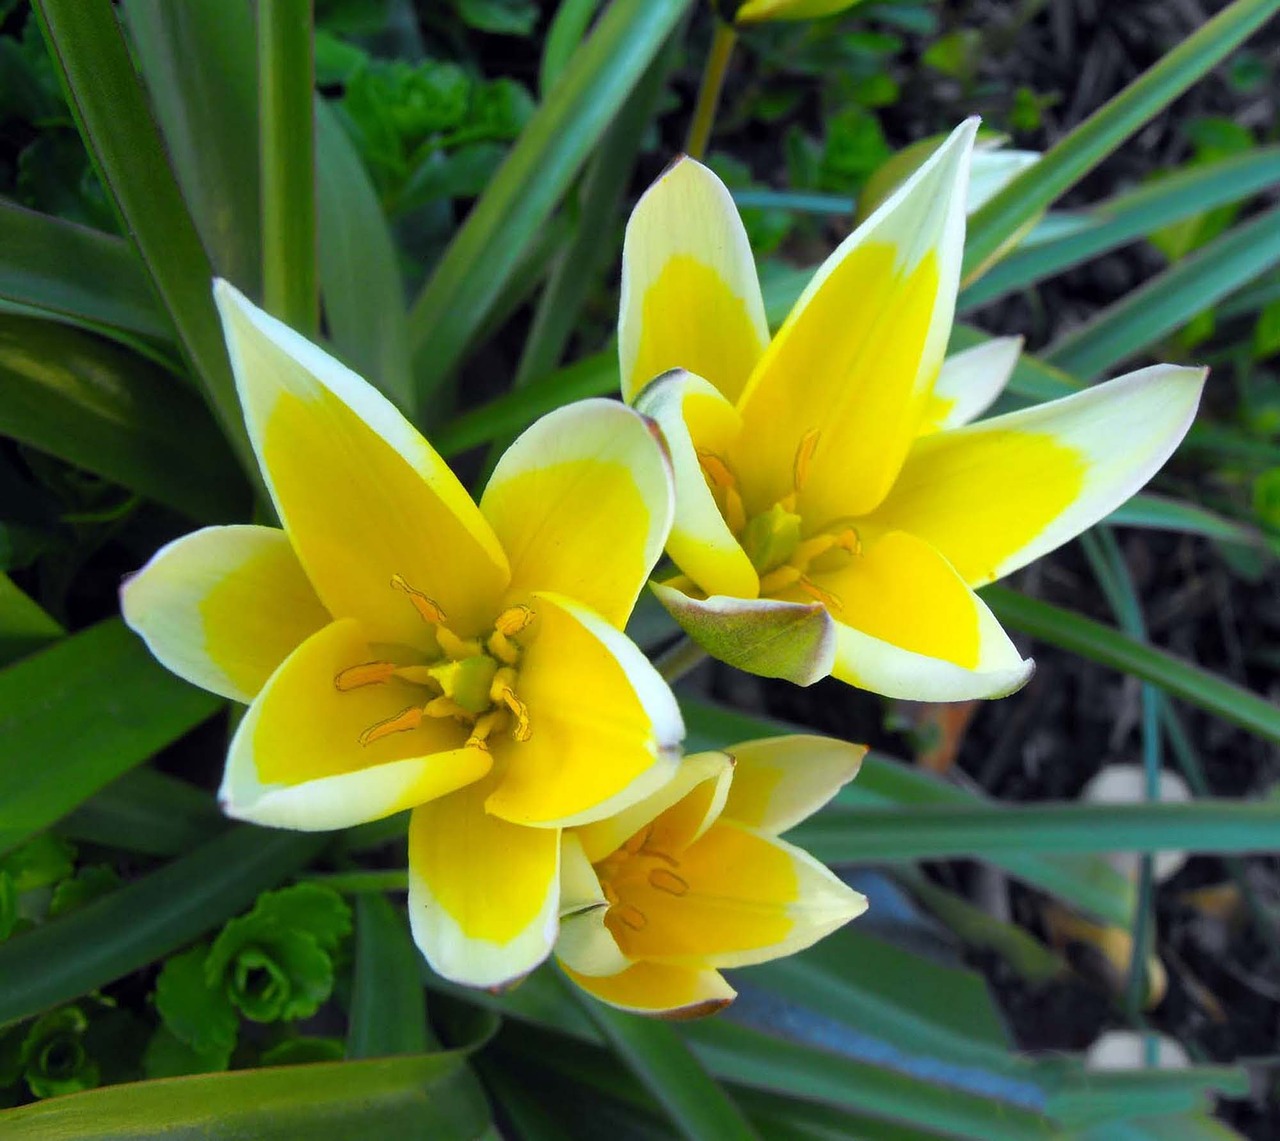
x: 401, y: 647
x: 659, y: 898
x: 834, y: 512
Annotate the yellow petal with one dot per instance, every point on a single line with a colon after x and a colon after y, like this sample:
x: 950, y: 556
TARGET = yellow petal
x: 223, y: 607
x: 585, y: 942
x: 362, y: 495
x: 604, y: 725
x: 995, y: 495
x: 693, y: 417
x: 665, y: 991
x: 969, y: 383
x: 907, y: 626
x: 297, y: 762
x: 582, y: 504
x: 779, y: 781
x: 690, y: 295
x: 484, y: 895
x: 749, y: 898
x: 859, y: 353
x: 756, y: 11
x: 693, y: 797
x: 764, y: 636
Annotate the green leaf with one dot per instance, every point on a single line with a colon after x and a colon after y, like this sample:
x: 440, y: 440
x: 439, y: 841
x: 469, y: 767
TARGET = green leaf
x: 151, y: 917
x: 167, y: 1056
x: 73, y: 271
x: 77, y: 715
x: 1104, y: 644
x: 659, y: 1058
x: 300, y: 1051
x: 542, y: 164
x: 104, y: 409
x: 197, y: 1014
x: 564, y: 36
x: 88, y: 884
x: 24, y: 626
x: 1128, y: 217
x: 1161, y: 514
x: 1073, y: 156
x: 274, y: 963
x: 500, y: 17
x: 841, y: 835
x: 388, y: 1006
x: 363, y: 294
x: 286, y: 155
x: 106, y: 97
x: 197, y: 59
x: 146, y: 812
x: 417, y: 1098
x: 54, y: 1056
x: 1169, y: 300
x: 41, y: 861
x: 1101, y: 1097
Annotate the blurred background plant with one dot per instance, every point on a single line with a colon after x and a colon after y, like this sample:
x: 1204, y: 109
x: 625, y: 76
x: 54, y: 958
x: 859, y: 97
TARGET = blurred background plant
x: 451, y: 202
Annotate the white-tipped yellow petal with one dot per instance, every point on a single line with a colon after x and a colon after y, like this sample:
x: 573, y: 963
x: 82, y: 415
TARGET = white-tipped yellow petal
x: 757, y: 11
x: 743, y: 898
x: 582, y: 503
x: 362, y: 495
x: 223, y: 607
x: 699, y: 785
x: 580, y: 888
x: 795, y: 641
x: 587, y: 946
x: 297, y: 760
x: 671, y: 992
x: 779, y: 781
x: 856, y: 359
x: 604, y: 728
x: 907, y: 626
x: 690, y: 295
x: 992, y: 170
x: 969, y: 383
x: 995, y: 495
x: 484, y: 895
x: 695, y: 418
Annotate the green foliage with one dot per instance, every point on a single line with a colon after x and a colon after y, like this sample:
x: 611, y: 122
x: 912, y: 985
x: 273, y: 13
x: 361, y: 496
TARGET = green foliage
x: 501, y: 17
x: 53, y: 1057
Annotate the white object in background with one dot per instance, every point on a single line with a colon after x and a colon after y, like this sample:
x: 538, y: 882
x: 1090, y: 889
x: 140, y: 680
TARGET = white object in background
x: 1127, y: 784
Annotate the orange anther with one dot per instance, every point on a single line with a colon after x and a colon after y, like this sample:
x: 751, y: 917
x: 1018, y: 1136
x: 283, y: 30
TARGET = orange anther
x: 664, y: 880
x: 401, y: 722
x: 367, y: 673
x: 426, y: 607
x: 804, y: 457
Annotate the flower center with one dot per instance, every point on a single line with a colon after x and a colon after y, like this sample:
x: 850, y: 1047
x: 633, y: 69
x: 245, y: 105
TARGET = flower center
x: 774, y: 538
x: 637, y: 861
x: 472, y: 680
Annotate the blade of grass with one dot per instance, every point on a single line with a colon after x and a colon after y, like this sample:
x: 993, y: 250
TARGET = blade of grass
x: 100, y: 407
x: 418, y: 1097
x: 532, y: 180
x: 1099, y: 643
x: 73, y: 271
x: 659, y: 1058
x: 106, y: 98
x: 24, y: 625
x: 146, y: 812
x: 1063, y: 165
x: 564, y: 37
x: 388, y: 1003
x: 841, y: 835
x: 197, y: 59
x: 78, y: 714
x: 1129, y: 217
x: 130, y: 928
x: 286, y: 154
x: 1169, y: 300
x: 364, y: 301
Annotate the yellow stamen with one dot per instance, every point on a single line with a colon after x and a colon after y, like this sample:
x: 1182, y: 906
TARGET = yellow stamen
x: 483, y: 727
x: 455, y: 647
x: 513, y: 620
x: 367, y: 673
x: 444, y: 706
x: 417, y: 675
x: 804, y: 457
x: 428, y: 608
x: 722, y: 479
x: 813, y: 590
x: 521, y: 731
x: 400, y: 722
x: 663, y: 880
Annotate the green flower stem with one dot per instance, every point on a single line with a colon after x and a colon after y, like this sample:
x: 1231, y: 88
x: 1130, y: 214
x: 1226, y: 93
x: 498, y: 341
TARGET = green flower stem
x: 286, y: 141
x: 684, y: 656
x: 704, y: 111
